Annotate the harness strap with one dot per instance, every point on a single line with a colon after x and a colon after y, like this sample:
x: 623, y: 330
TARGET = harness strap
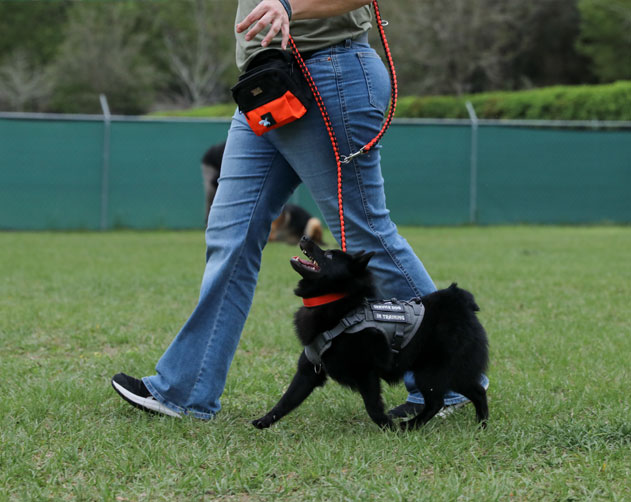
x: 322, y: 342
x: 398, y: 318
x: 398, y: 338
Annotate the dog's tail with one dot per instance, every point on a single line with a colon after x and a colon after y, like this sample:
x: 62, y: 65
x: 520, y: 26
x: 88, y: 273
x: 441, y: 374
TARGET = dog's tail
x: 313, y: 230
x: 466, y: 297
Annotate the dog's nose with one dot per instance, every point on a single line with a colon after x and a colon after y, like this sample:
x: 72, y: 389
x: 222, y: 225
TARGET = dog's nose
x: 304, y: 239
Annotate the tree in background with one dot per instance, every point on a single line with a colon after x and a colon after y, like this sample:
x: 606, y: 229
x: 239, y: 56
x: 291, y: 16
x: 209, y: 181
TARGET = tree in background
x: 606, y: 37
x: 194, y: 44
x: 171, y: 54
x: 24, y: 85
x: 456, y: 47
x: 58, y: 56
x: 30, y: 33
x: 34, y: 28
x: 102, y: 53
x: 548, y: 55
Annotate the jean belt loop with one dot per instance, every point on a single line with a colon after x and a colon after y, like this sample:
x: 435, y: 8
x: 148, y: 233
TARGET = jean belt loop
x: 348, y: 43
x: 361, y: 39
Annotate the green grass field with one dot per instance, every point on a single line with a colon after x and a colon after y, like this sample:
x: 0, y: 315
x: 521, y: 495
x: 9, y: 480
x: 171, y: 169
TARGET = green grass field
x: 75, y: 308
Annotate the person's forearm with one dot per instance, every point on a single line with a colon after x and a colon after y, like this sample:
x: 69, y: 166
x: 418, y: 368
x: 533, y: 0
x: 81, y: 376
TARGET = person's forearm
x: 310, y: 9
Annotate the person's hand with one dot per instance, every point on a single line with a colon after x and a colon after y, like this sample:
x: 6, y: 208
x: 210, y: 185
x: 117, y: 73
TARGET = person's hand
x: 268, y: 13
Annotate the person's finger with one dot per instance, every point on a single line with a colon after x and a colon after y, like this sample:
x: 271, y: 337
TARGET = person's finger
x: 267, y: 13
x: 257, y: 13
x: 259, y: 26
x: 285, y: 32
x: 273, y: 30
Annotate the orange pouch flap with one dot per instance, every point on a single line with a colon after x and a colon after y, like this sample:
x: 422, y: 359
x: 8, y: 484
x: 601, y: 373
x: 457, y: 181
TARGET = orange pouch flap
x: 276, y: 113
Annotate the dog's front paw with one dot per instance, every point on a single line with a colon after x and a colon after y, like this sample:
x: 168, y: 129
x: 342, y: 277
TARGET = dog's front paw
x: 409, y: 425
x: 263, y: 422
x: 388, y: 425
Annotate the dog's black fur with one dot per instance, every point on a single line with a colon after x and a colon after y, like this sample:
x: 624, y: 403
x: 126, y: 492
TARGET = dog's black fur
x: 448, y: 352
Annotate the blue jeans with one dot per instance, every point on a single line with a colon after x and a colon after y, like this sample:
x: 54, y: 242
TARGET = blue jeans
x: 258, y: 176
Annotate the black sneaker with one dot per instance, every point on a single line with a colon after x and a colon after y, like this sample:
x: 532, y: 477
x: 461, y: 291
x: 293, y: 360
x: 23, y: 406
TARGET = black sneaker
x: 135, y: 393
x: 407, y: 409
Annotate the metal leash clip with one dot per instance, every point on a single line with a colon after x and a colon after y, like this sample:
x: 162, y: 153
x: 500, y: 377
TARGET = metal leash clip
x: 347, y: 158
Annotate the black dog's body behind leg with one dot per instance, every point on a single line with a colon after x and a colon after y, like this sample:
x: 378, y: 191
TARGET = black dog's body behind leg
x: 305, y: 380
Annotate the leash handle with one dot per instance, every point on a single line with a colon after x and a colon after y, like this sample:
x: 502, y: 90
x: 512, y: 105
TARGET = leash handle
x: 327, y: 120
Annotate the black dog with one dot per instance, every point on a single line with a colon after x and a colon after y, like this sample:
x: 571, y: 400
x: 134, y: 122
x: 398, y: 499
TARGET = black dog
x: 294, y: 222
x: 449, y: 351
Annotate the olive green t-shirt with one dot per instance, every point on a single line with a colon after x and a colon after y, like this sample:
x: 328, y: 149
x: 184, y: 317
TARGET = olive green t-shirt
x: 309, y: 34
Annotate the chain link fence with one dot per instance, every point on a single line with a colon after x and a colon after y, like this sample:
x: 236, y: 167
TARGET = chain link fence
x: 61, y: 172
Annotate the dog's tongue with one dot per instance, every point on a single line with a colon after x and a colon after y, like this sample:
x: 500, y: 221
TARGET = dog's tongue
x: 306, y: 263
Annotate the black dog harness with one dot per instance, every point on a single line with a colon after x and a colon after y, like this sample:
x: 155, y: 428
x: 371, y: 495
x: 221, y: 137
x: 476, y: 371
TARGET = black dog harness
x: 397, y: 320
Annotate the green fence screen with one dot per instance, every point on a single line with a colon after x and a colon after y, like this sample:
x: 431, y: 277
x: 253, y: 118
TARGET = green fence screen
x: 81, y: 173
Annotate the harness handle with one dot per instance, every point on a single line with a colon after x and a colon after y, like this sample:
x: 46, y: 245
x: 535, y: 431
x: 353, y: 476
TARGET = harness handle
x: 327, y: 120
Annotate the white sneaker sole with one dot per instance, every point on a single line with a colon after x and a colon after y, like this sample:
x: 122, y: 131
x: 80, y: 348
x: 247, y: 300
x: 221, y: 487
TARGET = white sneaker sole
x: 451, y: 408
x: 146, y: 402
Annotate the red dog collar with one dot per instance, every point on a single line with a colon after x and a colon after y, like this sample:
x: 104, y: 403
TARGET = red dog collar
x: 316, y: 301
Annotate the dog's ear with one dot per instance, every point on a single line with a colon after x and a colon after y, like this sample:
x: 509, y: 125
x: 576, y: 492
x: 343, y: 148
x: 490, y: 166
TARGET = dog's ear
x: 361, y: 259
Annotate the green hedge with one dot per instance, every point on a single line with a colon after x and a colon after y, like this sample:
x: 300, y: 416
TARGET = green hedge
x: 587, y: 102
x: 214, y: 111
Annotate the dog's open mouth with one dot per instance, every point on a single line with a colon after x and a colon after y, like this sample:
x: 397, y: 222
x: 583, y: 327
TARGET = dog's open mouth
x: 309, y: 263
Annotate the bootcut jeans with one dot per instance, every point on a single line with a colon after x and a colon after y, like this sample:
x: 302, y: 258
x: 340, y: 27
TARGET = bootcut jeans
x: 258, y: 176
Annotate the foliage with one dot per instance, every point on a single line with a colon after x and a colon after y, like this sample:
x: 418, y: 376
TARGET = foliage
x: 606, y: 37
x: 589, y: 102
x: 455, y: 47
x: 24, y: 85
x: 31, y: 33
x: 163, y: 54
x: 194, y: 46
x: 34, y: 28
x: 599, y: 102
x: 547, y: 54
x: 103, y: 54
x: 220, y: 110
x: 75, y: 308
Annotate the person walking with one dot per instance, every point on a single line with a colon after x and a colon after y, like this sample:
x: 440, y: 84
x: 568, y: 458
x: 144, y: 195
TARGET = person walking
x: 259, y: 174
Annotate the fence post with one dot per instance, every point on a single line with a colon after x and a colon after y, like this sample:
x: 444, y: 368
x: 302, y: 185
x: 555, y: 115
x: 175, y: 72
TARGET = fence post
x: 473, y: 176
x: 105, y: 174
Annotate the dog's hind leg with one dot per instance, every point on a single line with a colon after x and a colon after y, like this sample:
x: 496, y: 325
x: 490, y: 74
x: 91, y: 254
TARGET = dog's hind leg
x: 370, y: 390
x: 433, y: 404
x: 477, y: 395
x: 303, y: 383
x: 432, y: 407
